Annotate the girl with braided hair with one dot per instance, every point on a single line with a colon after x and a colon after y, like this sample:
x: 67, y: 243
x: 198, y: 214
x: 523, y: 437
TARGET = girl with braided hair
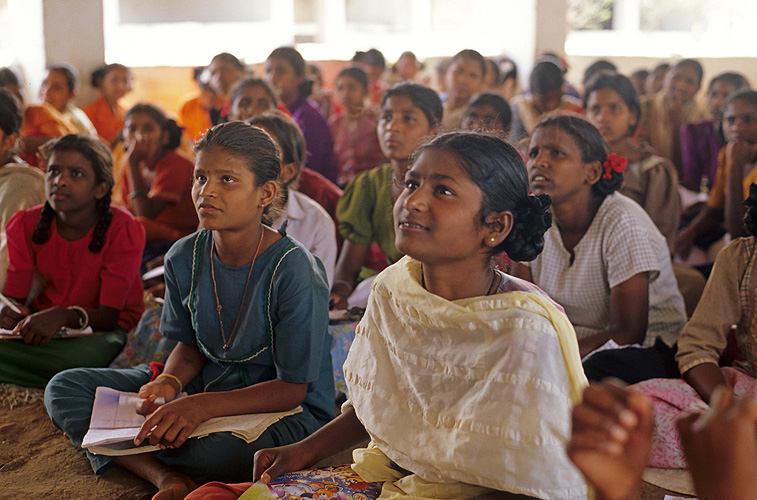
x: 87, y: 253
x: 604, y: 260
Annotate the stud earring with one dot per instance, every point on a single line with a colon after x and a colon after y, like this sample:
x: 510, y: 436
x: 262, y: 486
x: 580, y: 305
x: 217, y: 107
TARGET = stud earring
x: 492, y: 240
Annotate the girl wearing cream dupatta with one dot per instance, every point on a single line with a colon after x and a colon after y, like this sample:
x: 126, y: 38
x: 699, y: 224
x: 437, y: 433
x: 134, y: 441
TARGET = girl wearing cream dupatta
x: 462, y: 377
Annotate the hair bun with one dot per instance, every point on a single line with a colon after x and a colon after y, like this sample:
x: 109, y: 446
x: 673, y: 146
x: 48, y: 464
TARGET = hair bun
x: 526, y: 239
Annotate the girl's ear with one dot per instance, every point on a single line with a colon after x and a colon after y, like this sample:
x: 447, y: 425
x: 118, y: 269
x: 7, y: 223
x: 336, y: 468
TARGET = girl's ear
x: 10, y: 141
x: 268, y: 193
x: 101, y: 190
x: 288, y: 172
x: 592, y: 172
x: 498, y: 226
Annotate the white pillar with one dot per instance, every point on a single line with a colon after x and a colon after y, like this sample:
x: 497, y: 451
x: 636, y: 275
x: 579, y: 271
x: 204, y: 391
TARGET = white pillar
x: 73, y: 33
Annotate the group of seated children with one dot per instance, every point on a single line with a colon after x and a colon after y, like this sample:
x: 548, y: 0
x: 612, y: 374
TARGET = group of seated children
x: 453, y: 357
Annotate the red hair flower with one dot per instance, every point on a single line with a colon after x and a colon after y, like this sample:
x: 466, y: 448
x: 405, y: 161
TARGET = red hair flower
x: 614, y: 163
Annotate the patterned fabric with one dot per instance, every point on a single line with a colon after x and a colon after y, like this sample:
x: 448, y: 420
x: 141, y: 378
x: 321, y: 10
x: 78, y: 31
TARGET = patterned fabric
x: 652, y: 182
x: 621, y: 241
x: 145, y: 344
x: 356, y: 144
x: 671, y: 399
x: 339, y: 482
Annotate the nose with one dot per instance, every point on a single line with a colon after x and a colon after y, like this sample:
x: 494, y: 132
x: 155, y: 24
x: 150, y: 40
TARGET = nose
x: 416, y: 200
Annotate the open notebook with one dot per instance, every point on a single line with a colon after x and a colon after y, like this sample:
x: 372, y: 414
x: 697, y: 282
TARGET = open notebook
x: 115, y: 423
x: 63, y: 333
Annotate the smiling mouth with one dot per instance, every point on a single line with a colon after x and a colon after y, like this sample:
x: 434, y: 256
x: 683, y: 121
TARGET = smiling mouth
x: 411, y: 225
x: 538, y: 178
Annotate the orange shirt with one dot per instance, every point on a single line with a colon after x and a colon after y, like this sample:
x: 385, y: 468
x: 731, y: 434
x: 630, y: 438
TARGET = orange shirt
x: 43, y: 120
x: 717, y: 193
x: 107, y: 122
x: 194, y: 118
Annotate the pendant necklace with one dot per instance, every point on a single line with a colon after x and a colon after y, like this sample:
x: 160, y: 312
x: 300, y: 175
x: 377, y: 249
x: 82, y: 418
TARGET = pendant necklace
x: 227, y: 343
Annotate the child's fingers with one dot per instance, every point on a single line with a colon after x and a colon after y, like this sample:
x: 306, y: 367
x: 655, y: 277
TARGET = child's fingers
x: 596, y: 442
x: 610, y: 400
x: 719, y: 402
x: 589, y: 420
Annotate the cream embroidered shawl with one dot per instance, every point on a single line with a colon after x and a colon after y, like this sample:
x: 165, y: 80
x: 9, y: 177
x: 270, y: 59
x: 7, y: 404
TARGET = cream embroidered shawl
x: 476, y: 390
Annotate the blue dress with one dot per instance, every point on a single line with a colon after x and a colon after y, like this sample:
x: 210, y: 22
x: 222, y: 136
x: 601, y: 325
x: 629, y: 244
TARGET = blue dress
x: 282, y: 333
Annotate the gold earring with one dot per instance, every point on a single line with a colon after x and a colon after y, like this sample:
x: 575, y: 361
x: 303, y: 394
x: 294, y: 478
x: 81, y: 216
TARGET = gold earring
x: 492, y: 240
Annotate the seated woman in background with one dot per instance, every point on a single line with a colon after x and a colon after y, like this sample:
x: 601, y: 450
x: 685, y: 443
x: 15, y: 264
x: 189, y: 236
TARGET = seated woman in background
x: 224, y: 71
x: 612, y: 105
x: 106, y: 113
x: 156, y: 181
x: 249, y: 98
x: 409, y: 115
x: 21, y: 186
x: 87, y: 252
x: 488, y: 113
x: 285, y: 70
x: 736, y: 162
x: 495, y: 350
x: 58, y: 89
x: 356, y: 144
x: 546, y: 84
x: 41, y: 122
x: 604, y: 260
x: 702, y: 141
x: 464, y: 78
x: 729, y: 298
x: 194, y: 110
x: 306, y: 221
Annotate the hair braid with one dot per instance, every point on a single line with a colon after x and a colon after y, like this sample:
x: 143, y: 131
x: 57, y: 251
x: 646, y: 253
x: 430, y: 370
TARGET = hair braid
x: 103, y: 223
x: 42, y: 232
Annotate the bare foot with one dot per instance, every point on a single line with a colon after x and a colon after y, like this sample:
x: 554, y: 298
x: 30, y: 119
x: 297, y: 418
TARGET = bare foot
x: 175, y: 487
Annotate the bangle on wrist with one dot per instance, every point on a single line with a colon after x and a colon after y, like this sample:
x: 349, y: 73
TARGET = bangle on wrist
x: 343, y: 283
x: 174, y: 378
x: 137, y: 194
x: 83, y: 316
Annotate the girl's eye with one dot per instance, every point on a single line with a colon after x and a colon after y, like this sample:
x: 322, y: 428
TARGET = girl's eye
x: 411, y: 184
x: 53, y: 171
x: 200, y: 178
x: 227, y: 178
x: 386, y: 117
x: 409, y: 119
x: 533, y: 153
x: 557, y: 153
x: 77, y: 173
x: 444, y: 190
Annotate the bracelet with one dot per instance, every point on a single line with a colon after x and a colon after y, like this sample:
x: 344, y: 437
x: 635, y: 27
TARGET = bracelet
x: 174, y: 377
x: 83, y: 316
x: 137, y: 194
x: 342, y: 282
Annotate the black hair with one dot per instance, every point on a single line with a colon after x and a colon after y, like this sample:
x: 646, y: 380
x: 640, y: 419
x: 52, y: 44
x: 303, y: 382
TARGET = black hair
x: 622, y: 85
x: 663, y: 66
x: 422, y: 98
x: 640, y: 73
x: 294, y: 59
x: 471, y: 54
x: 252, y: 82
x: 229, y: 58
x: 545, y: 77
x: 499, y: 172
x: 592, y: 146
x: 371, y: 57
x: 357, y: 74
x: 287, y: 135
x: 11, y: 114
x: 693, y: 64
x: 69, y: 73
x: 102, y: 72
x: 9, y: 76
x: 101, y: 162
x: 166, y: 124
x: 496, y: 101
x: 507, y: 69
x: 735, y: 80
x: 251, y: 144
x: 750, y: 217
x: 596, y: 66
